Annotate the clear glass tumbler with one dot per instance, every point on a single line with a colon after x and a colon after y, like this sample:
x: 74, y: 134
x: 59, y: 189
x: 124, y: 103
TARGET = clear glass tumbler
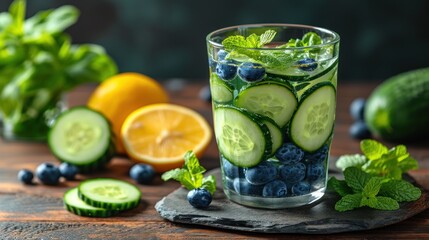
x: 273, y: 92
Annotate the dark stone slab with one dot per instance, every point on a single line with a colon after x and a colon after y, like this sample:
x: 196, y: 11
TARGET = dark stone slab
x: 318, y: 218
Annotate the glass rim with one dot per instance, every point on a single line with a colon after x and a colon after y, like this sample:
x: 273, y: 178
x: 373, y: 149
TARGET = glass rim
x: 335, y: 40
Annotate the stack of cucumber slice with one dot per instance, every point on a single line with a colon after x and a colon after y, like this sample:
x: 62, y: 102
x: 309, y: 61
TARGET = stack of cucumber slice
x: 101, y: 197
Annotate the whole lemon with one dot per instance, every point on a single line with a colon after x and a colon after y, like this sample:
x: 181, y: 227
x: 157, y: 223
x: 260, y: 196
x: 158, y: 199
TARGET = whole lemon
x: 121, y: 94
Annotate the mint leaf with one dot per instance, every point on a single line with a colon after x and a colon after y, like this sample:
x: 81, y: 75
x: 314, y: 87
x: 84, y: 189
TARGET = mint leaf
x: 369, y: 201
x: 209, y: 183
x: 372, y: 187
x: 346, y: 161
x: 348, y: 202
x: 372, y: 149
x: 356, y: 178
x: 340, y: 186
x: 232, y: 42
x: 191, y: 174
x: 384, y: 203
x: 400, y: 190
x: 407, y: 164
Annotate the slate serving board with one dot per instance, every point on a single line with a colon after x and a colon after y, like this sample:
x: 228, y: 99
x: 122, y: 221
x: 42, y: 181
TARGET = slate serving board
x: 317, y: 218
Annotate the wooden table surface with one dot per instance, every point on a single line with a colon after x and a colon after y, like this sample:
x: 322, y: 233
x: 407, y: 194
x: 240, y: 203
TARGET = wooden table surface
x: 36, y: 212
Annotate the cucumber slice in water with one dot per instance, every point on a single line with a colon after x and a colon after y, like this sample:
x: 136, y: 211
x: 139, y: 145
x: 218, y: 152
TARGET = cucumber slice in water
x: 270, y: 99
x: 276, y: 134
x: 74, y: 204
x: 221, y: 91
x: 108, y: 193
x: 242, y: 138
x: 82, y: 137
x: 313, y: 122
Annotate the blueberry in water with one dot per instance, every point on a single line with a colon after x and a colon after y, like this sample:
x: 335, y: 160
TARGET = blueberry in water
x: 275, y: 188
x: 68, y: 171
x: 251, y: 72
x: 221, y: 55
x: 315, y: 172
x: 319, y: 156
x: 25, y: 176
x: 212, y: 64
x: 261, y: 174
x: 142, y: 173
x: 226, y: 70
x: 357, y: 108
x: 230, y: 170
x: 205, y: 93
x: 289, y: 153
x: 359, y: 130
x: 292, y: 173
x: 307, y: 64
x: 199, y: 198
x: 243, y: 187
x: 301, y: 188
x: 48, y: 174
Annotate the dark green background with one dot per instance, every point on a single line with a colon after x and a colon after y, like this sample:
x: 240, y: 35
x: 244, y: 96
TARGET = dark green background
x: 166, y: 38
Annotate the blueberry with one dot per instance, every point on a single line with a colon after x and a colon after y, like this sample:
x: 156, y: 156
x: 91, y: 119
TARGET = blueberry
x: 301, y: 188
x: 307, y: 64
x: 68, y: 171
x: 25, y: 176
x: 319, y: 156
x: 230, y: 170
x: 221, y: 55
x: 275, y: 188
x: 357, y: 108
x: 226, y: 69
x: 142, y: 173
x: 48, y: 174
x: 359, y: 130
x: 205, y: 93
x: 261, y: 174
x: 251, y: 72
x: 243, y: 187
x: 212, y: 64
x: 315, y: 171
x: 199, y: 198
x: 289, y: 153
x: 292, y: 173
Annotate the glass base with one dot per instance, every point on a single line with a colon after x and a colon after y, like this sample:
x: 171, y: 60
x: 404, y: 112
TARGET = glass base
x: 275, y: 203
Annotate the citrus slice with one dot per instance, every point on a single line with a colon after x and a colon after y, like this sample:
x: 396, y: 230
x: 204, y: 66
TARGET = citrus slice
x: 161, y: 134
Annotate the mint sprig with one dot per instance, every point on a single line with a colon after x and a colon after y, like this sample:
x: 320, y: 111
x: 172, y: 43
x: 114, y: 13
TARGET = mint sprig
x: 374, y: 178
x: 242, y: 49
x: 377, y: 159
x: 360, y: 189
x: 191, y: 175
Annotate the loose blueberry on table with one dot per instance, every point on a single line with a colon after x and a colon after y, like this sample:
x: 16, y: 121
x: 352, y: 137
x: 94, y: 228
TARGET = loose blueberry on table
x: 142, y: 173
x: 25, y: 176
x: 68, y: 171
x: 48, y: 173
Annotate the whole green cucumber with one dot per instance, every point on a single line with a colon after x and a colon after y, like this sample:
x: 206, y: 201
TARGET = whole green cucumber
x: 398, y: 109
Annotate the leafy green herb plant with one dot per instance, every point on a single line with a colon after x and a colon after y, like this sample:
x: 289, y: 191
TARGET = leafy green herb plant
x: 39, y: 63
x: 191, y: 175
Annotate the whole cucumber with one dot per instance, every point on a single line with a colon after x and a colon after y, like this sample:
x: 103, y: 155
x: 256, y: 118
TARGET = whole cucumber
x: 398, y: 109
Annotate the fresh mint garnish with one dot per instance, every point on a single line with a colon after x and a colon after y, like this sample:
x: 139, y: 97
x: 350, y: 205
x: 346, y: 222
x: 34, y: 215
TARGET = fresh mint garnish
x: 191, y: 175
x: 242, y: 49
x: 377, y: 159
x: 360, y: 189
x: 375, y: 178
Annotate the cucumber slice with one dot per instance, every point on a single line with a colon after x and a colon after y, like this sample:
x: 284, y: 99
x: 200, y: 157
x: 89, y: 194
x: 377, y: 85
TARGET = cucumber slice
x: 74, y: 204
x: 293, y: 74
x: 108, y: 193
x: 82, y: 137
x: 270, y: 99
x: 313, y: 122
x: 275, y: 133
x: 221, y: 91
x: 242, y: 138
x: 327, y: 73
